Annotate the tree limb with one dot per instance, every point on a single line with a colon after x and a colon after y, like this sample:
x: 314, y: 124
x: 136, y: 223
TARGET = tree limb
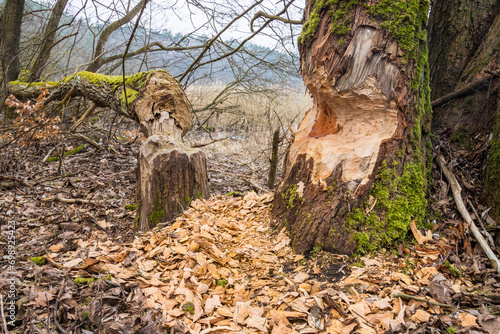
x: 272, y: 17
x: 468, y: 89
x: 103, y: 38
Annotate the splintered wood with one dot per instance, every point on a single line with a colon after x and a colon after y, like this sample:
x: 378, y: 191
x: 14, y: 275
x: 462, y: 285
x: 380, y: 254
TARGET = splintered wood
x: 219, y: 268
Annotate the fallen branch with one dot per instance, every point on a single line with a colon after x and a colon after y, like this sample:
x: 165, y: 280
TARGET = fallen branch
x: 456, y: 190
x: 405, y: 296
x: 255, y: 185
x: 87, y: 140
x: 209, y: 143
x: 68, y: 200
x: 470, y: 88
x: 59, y: 295
x: 58, y: 177
x: 82, y: 119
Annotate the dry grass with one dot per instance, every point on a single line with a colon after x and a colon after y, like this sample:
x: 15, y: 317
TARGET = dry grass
x: 248, y: 121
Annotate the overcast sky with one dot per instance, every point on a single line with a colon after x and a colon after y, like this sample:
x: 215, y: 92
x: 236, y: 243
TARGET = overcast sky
x: 183, y: 17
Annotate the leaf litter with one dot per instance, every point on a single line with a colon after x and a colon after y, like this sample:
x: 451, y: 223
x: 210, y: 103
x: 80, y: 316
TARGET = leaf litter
x: 220, y: 268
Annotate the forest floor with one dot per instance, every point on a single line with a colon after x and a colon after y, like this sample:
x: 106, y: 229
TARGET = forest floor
x: 80, y: 267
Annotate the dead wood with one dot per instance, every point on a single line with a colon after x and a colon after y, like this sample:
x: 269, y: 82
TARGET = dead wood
x: 68, y: 200
x: 456, y: 190
x: 430, y: 302
x: 87, y: 140
x: 82, y: 119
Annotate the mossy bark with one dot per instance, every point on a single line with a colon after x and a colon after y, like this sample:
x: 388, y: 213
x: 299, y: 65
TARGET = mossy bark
x: 356, y: 172
x: 464, y: 46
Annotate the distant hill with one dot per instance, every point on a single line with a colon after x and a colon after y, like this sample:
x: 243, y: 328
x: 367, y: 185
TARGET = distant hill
x: 259, y: 63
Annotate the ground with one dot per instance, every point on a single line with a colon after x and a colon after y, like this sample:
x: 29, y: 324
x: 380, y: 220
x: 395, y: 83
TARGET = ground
x: 219, y: 268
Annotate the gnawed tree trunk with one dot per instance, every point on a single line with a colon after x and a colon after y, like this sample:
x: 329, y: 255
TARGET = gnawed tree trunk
x: 464, y: 49
x: 170, y: 174
x: 356, y: 172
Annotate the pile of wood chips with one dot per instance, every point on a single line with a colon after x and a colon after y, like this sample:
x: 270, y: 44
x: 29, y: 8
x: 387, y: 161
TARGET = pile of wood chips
x: 219, y: 268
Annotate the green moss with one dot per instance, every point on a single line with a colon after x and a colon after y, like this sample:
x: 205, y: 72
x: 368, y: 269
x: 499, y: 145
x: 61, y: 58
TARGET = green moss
x: 188, y: 307
x: 290, y: 198
x: 454, y: 270
x: 25, y: 84
x: 403, y: 20
x: 317, y: 249
x: 70, y: 152
x: 157, y: 214
x: 338, y: 10
x: 400, y: 199
x: 88, y: 300
x: 130, y: 95
x: 222, y: 282
x: 83, y: 280
x: 235, y: 194
x: 39, y: 260
x: 85, y: 315
x: 460, y: 136
x: 130, y: 207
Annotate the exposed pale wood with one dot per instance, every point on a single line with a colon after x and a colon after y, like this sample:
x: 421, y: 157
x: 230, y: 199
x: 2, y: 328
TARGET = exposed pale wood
x: 456, y: 190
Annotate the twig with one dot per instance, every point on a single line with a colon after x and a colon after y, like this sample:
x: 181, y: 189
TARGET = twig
x: 405, y: 296
x: 50, y: 152
x: 87, y: 140
x: 255, y: 185
x: 209, y: 143
x: 488, y: 236
x: 82, y: 119
x: 3, y: 316
x: 68, y: 200
x: 58, y: 326
x: 456, y: 190
x: 59, y: 177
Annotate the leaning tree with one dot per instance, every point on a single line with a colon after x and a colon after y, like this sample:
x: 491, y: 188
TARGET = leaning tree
x: 356, y: 172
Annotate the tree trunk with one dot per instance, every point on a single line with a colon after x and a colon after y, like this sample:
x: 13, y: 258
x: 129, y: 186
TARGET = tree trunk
x: 12, y: 17
x: 170, y: 174
x: 464, y: 47
x: 356, y: 173
x: 48, y: 41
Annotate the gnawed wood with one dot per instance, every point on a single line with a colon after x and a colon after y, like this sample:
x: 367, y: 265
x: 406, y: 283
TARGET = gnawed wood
x: 365, y: 92
x: 170, y: 174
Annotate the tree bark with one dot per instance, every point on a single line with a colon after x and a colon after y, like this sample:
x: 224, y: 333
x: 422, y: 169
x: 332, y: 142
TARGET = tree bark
x: 355, y: 175
x: 48, y: 42
x: 464, y: 47
x: 170, y: 174
x: 12, y: 17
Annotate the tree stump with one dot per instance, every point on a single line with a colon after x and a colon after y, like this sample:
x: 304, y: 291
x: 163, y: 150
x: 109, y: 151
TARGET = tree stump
x: 169, y: 174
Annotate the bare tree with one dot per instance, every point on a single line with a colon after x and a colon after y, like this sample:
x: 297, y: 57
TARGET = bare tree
x: 12, y: 16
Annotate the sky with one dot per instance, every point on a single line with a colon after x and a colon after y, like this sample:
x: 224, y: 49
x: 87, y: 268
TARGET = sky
x: 184, y: 16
